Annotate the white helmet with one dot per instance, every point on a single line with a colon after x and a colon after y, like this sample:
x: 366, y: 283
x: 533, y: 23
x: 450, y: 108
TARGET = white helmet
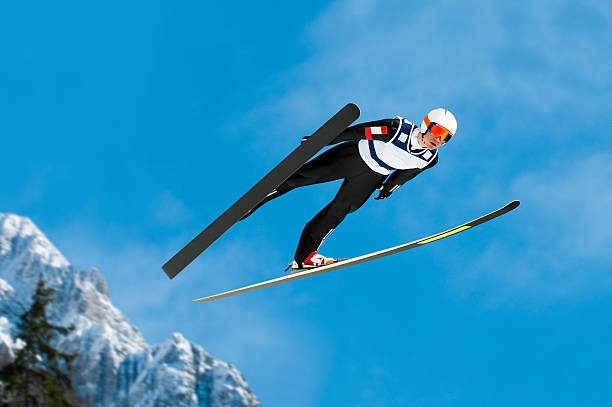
x: 440, y: 117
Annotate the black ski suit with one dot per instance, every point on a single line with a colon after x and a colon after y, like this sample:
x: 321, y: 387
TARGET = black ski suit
x: 360, y: 181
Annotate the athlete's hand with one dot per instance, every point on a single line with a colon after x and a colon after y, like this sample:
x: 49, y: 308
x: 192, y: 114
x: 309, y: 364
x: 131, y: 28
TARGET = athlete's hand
x: 383, y: 193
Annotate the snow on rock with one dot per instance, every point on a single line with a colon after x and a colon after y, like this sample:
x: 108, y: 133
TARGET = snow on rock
x: 116, y: 367
x: 22, y: 238
x: 6, y: 342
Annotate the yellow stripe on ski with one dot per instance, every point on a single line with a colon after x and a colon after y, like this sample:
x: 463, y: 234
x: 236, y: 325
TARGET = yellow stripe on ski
x: 450, y: 232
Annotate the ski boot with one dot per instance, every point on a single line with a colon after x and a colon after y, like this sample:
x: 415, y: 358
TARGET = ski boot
x: 313, y: 260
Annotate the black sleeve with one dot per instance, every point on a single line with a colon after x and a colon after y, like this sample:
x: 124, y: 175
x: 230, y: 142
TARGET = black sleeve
x: 357, y: 132
x: 399, y: 177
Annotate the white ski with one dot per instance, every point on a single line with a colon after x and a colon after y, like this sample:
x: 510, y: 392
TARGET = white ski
x: 299, y: 274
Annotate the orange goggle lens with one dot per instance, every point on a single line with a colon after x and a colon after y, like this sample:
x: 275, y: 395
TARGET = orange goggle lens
x: 438, y: 131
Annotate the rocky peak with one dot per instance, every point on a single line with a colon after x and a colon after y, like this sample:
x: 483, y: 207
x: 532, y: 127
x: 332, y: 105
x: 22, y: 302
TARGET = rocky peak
x: 117, y: 368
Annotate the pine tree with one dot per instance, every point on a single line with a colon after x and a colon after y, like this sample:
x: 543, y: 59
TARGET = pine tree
x: 36, y: 377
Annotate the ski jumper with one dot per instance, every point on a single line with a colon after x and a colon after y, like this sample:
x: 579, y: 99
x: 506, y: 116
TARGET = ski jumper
x: 368, y: 154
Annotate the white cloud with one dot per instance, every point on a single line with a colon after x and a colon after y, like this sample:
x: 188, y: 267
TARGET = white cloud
x: 401, y: 58
x: 168, y: 210
x: 557, y: 250
x: 573, y: 198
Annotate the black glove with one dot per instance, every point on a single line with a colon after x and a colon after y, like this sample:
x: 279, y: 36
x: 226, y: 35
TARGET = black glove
x: 383, y: 193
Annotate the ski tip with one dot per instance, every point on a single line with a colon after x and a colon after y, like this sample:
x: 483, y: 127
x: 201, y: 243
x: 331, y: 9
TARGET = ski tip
x: 514, y: 204
x: 353, y: 108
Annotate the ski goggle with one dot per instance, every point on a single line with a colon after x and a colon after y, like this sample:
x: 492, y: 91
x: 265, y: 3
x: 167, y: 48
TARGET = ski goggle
x: 438, y: 131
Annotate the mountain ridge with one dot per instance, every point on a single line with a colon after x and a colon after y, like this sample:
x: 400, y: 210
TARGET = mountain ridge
x: 117, y: 368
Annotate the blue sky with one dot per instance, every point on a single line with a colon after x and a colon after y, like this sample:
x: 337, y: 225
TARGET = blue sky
x: 127, y: 128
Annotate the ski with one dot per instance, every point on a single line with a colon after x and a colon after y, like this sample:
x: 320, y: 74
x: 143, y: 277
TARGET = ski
x: 299, y: 274
x: 298, y: 157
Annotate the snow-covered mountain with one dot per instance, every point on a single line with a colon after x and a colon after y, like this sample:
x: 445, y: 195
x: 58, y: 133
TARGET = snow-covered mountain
x: 117, y: 367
